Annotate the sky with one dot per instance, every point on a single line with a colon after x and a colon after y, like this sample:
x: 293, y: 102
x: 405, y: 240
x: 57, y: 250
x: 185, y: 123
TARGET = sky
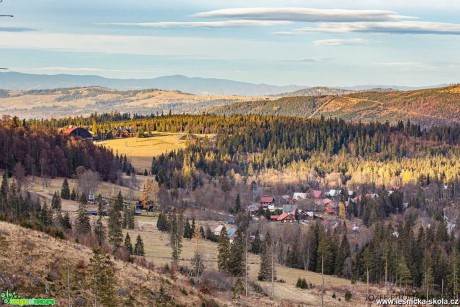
x: 308, y: 43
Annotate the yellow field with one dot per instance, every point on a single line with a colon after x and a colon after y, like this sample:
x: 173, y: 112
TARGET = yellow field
x: 141, y: 150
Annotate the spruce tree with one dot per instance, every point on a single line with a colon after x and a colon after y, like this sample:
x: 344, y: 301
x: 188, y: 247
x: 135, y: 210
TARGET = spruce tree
x: 46, y: 215
x: 128, y: 245
x: 223, y: 258
x: 238, y: 289
x: 66, y: 223
x: 342, y: 254
x: 99, y: 229
x: 188, y: 230
x: 267, y: 268
x: 83, y: 225
x: 237, y: 253
x: 65, y: 190
x: 115, y: 228
x: 256, y: 247
x: 103, y: 283
x: 237, y: 208
x: 177, y: 232
x: 139, y: 247
x: 56, y: 201
x: 73, y: 195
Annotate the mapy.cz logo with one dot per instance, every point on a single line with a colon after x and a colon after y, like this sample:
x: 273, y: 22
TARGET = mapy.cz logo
x: 8, y: 296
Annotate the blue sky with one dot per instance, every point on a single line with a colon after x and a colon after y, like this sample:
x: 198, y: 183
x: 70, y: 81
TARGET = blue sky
x: 311, y: 43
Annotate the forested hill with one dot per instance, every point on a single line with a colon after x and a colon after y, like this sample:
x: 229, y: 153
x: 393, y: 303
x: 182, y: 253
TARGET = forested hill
x: 427, y: 107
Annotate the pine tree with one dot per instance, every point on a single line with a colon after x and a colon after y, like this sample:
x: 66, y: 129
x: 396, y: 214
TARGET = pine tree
x: 139, y: 247
x: 115, y: 230
x: 73, y: 195
x: 99, y: 229
x: 237, y: 253
x: 197, y: 260
x: 342, y: 254
x: 267, y: 269
x: 238, y: 289
x: 66, y: 223
x: 256, y: 247
x: 119, y: 202
x: 65, y: 190
x: 103, y: 282
x: 177, y: 232
x: 223, y: 258
x: 403, y: 272
x: 46, y: 215
x: 83, y: 225
x: 237, y: 203
x: 56, y: 201
x: 128, y: 245
x: 188, y: 230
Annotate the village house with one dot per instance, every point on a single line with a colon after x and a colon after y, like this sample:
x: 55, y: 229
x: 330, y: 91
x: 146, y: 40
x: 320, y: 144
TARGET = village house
x: 299, y: 196
x: 283, y: 218
x: 78, y: 132
x: 316, y: 194
x: 268, y: 203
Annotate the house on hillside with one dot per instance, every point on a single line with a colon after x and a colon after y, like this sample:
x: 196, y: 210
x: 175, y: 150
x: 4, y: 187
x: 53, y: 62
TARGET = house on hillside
x: 289, y: 208
x: 283, y: 218
x: 267, y: 200
x: 268, y: 203
x: 78, y: 132
x: 299, y: 196
x: 316, y: 194
x: 329, y: 210
x: 253, y: 208
x: 333, y: 193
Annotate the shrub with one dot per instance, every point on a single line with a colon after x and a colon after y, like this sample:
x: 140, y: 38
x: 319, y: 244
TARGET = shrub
x: 258, y: 288
x: 301, y: 283
x: 348, y: 295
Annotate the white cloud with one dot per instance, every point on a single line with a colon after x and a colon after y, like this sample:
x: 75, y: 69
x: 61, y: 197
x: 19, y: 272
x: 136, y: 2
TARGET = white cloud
x: 396, y: 27
x: 303, y: 14
x: 203, y: 24
x: 339, y: 42
x: 82, y: 69
x: 188, y: 47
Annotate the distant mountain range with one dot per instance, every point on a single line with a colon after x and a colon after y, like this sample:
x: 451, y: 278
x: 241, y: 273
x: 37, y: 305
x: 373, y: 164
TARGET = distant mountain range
x: 20, y: 81
x: 428, y: 107
x: 199, y: 86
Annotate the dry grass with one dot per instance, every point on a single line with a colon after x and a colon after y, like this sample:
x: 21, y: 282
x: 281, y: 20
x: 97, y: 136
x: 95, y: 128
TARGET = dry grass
x: 159, y: 252
x: 32, y: 256
x: 141, y: 150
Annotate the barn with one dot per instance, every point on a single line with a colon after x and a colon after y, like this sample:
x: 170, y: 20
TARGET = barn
x: 78, y: 131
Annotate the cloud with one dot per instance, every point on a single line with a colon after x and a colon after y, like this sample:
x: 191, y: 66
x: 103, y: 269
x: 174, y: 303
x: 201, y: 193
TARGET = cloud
x: 339, y: 42
x: 286, y: 33
x: 302, y: 14
x: 396, y: 27
x: 16, y: 29
x: 318, y: 59
x: 203, y: 24
x: 84, y: 69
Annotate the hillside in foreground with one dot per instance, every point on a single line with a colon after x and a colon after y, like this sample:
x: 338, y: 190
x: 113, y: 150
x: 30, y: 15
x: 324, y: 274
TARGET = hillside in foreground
x: 35, y: 265
x: 427, y: 107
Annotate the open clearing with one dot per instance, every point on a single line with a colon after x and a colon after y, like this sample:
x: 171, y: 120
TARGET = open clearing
x: 158, y: 251
x: 141, y: 150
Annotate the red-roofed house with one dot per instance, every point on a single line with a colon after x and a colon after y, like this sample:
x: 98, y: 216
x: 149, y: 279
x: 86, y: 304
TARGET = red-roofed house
x: 285, y: 217
x: 78, y: 131
x: 329, y: 210
x: 316, y: 194
x: 267, y: 200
